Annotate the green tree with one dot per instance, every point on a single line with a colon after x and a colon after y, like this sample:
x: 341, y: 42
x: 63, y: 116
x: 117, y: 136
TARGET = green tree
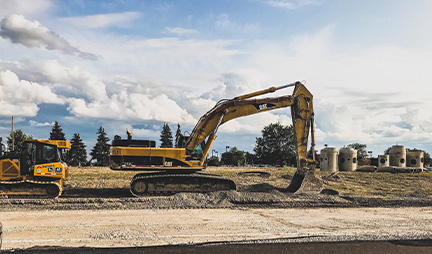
x: 166, y: 137
x: 100, y: 151
x: 177, y: 136
x: 427, y: 159
x: 213, y: 161
x: 57, y: 132
x: 250, y: 158
x: 233, y: 157
x: 361, y: 150
x: 19, y: 136
x: 277, y: 145
x: 77, y: 155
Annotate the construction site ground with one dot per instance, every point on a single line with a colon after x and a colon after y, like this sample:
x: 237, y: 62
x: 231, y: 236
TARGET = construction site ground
x: 97, y: 210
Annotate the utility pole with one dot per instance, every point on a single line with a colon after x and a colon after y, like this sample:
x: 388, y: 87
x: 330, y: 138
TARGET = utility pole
x: 13, y: 137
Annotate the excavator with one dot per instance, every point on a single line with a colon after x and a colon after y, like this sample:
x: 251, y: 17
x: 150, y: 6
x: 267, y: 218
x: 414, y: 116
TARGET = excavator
x: 178, y: 169
x: 37, y: 172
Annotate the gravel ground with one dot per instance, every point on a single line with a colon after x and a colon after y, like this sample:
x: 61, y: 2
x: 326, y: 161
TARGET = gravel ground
x: 97, y: 210
x: 157, y: 227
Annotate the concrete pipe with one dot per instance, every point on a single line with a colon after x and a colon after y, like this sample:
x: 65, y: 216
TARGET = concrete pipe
x: 347, y: 159
x: 328, y: 160
x: 398, y: 156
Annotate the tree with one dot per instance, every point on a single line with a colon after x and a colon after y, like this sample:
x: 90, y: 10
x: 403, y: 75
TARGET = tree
x: 277, y: 145
x: 213, y: 161
x: 19, y: 136
x: 361, y: 150
x: 250, y: 158
x: 166, y: 137
x: 233, y: 157
x: 427, y: 159
x: 177, y: 136
x: 77, y: 155
x: 100, y: 151
x: 57, y: 132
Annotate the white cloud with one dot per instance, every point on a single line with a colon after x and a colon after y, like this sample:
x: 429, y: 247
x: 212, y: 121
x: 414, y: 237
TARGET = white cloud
x: 224, y: 22
x: 21, y: 97
x: 132, y: 106
x: 32, y: 34
x: 38, y: 124
x: 180, y: 31
x: 291, y: 4
x: 24, y: 7
x: 122, y: 19
x: 68, y: 81
x: 87, y: 95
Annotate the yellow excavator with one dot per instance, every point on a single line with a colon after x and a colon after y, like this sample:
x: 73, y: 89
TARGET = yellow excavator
x: 38, y: 172
x: 177, y: 169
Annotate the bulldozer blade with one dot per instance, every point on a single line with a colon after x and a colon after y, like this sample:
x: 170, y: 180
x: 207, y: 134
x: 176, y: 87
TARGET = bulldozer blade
x: 305, y: 183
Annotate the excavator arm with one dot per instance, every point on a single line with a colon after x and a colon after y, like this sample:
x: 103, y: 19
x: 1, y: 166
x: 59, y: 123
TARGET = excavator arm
x: 302, y: 113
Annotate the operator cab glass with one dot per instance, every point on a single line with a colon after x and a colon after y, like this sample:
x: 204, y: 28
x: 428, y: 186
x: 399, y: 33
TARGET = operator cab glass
x: 46, y: 153
x: 198, y: 152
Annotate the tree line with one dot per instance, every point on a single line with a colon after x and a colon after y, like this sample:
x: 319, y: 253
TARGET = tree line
x: 276, y: 146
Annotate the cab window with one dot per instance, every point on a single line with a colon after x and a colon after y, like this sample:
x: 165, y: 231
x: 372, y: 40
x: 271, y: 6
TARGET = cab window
x: 46, y: 153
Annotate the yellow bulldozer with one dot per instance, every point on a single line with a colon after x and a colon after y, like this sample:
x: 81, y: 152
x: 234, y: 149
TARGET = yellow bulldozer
x: 178, y: 169
x: 37, y: 172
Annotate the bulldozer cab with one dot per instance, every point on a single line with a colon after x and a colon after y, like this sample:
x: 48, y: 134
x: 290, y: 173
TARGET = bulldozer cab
x: 34, y: 153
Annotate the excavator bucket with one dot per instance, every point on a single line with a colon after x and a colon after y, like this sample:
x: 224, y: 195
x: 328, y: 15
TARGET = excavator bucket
x: 304, y: 180
x: 305, y: 183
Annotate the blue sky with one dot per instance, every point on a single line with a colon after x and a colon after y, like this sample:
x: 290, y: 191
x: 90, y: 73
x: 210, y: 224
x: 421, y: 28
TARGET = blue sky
x: 138, y: 64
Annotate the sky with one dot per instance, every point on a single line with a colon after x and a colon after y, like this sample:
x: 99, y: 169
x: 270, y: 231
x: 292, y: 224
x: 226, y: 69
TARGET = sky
x: 138, y: 64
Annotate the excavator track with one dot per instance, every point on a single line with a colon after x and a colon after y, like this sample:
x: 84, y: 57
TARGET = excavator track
x: 30, y: 189
x: 169, y: 183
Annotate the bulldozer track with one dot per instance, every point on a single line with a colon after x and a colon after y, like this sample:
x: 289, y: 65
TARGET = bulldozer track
x: 11, y: 189
x: 169, y: 183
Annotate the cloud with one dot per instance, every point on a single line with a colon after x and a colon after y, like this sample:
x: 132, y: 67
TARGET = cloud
x: 180, y: 31
x: 24, y: 7
x: 132, y: 106
x: 21, y: 97
x: 224, y: 22
x: 32, y: 34
x: 38, y: 124
x: 87, y: 96
x: 68, y: 81
x: 123, y: 19
x: 292, y: 4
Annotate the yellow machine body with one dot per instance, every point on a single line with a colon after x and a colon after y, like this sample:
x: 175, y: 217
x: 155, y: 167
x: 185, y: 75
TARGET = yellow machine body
x: 39, y: 171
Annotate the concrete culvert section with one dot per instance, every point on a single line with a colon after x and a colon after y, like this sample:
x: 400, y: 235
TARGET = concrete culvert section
x: 347, y: 159
x: 329, y: 159
x: 415, y: 159
x: 398, y: 156
x: 383, y: 160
